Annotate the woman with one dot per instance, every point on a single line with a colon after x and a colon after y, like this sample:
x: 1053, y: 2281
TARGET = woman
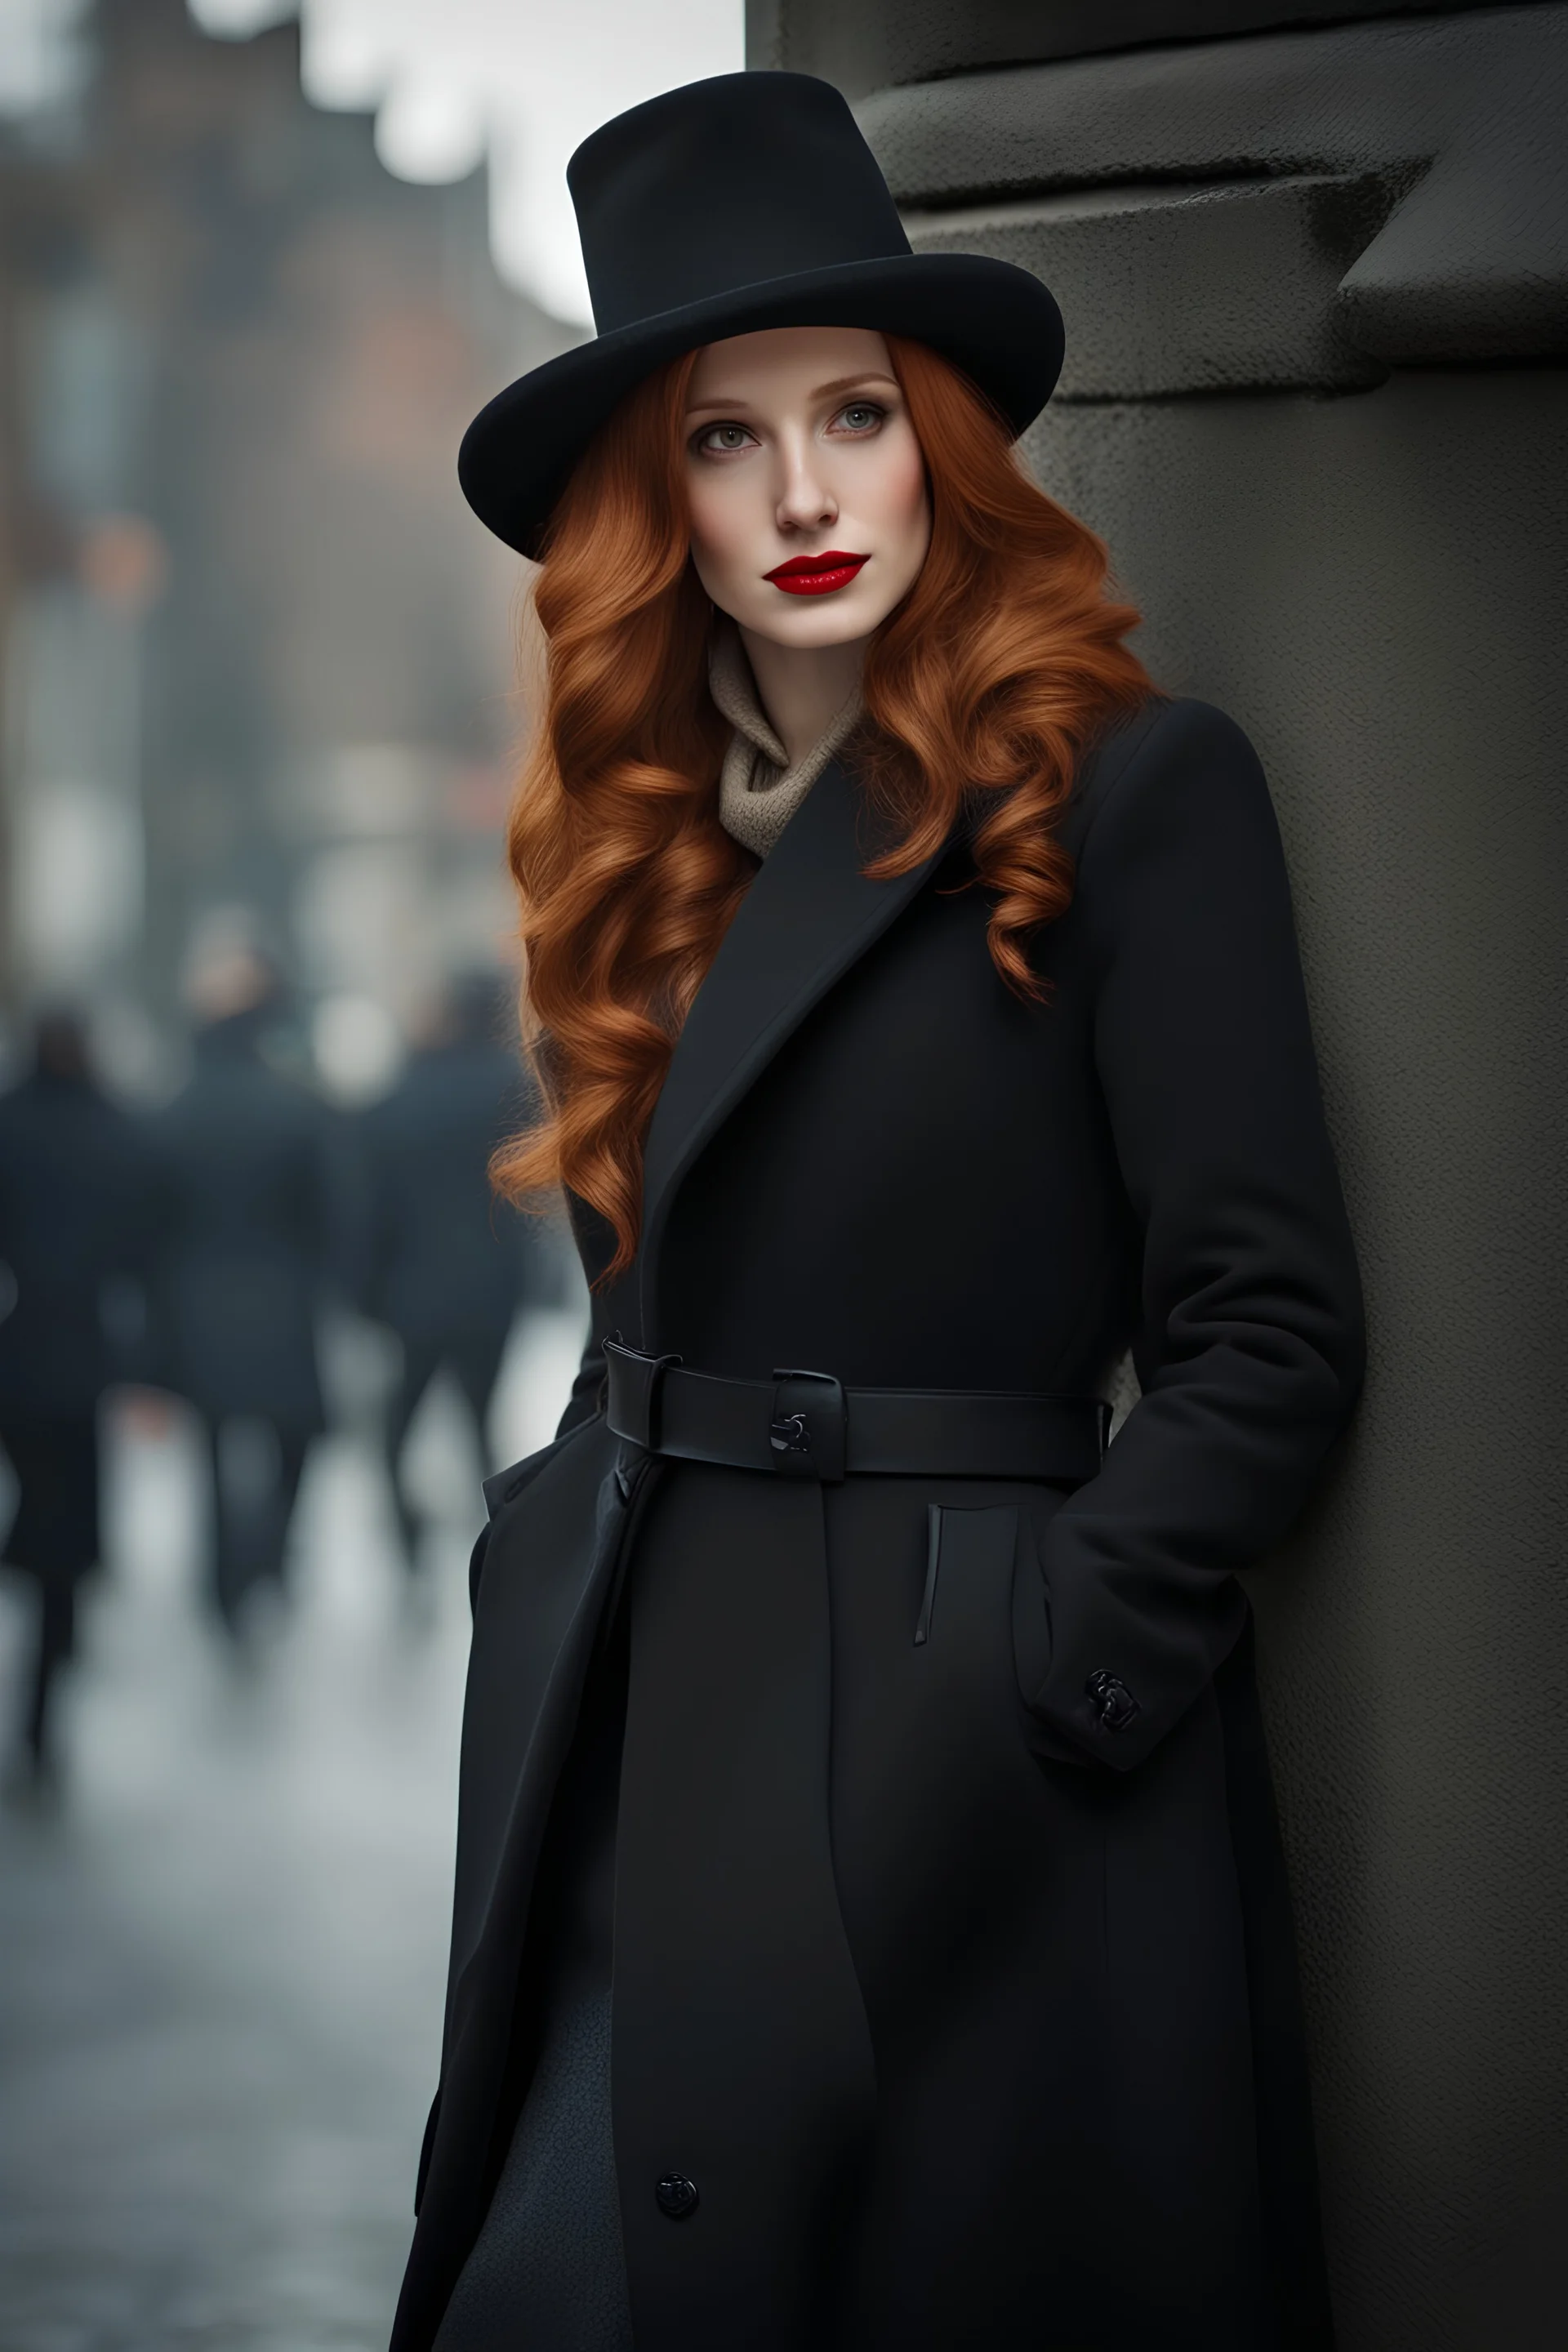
x: 869, y: 1924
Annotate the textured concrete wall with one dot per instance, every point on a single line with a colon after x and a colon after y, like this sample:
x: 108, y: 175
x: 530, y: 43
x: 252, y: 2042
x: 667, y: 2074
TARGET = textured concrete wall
x: 1316, y: 287
x: 871, y: 46
x: 1376, y: 589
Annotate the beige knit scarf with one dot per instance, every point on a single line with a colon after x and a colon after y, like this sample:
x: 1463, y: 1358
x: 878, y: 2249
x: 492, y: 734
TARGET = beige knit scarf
x: 759, y: 791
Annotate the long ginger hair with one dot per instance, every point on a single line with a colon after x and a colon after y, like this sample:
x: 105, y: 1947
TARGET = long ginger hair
x: 981, y: 690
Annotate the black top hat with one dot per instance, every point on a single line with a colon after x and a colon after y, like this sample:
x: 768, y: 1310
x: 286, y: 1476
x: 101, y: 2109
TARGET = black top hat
x: 747, y: 201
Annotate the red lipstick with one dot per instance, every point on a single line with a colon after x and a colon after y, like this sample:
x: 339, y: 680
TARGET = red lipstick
x: 817, y: 576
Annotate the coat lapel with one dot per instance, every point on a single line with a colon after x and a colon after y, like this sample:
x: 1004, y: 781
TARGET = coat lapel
x: 808, y: 916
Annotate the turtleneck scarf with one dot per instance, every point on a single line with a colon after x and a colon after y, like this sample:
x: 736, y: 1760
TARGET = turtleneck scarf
x: 759, y: 790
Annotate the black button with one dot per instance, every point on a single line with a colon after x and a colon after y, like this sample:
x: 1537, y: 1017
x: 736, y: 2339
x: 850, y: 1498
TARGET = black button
x: 1112, y: 1700
x: 677, y: 2196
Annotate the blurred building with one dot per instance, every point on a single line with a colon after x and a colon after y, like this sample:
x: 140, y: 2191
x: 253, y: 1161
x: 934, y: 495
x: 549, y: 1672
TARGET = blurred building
x: 257, y: 651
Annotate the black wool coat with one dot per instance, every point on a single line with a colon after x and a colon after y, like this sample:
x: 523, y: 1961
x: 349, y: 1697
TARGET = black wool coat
x: 245, y: 1236
x: 440, y: 1258
x: 973, y: 2021
x: 73, y: 1198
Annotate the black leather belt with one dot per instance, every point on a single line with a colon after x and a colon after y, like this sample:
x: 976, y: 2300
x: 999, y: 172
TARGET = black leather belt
x: 804, y: 1425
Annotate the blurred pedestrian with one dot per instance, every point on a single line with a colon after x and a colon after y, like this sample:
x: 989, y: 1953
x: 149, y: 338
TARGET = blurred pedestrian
x: 243, y: 1254
x: 71, y: 1195
x: 447, y: 1265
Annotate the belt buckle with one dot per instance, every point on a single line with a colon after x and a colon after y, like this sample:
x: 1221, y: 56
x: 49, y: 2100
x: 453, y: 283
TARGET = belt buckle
x: 806, y: 1436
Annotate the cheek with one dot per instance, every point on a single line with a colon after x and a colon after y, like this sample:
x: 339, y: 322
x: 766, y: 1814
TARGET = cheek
x: 904, y: 506
x: 719, y: 526
x: 914, y: 501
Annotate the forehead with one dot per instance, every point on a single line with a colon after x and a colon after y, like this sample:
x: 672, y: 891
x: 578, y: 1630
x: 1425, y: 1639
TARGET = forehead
x: 784, y: 362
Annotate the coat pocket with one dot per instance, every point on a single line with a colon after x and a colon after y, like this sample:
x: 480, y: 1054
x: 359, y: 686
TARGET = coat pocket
x: 935, y: 1516
x: 969, y: 1558
x: 980, y: 1631
x: 1031, y: 1613
x: 991, y: 1551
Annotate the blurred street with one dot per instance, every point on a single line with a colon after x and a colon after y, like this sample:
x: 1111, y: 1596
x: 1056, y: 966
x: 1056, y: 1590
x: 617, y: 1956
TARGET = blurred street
x: 224, y: 1940
x: 261, y: 1313
x: 258, y: 727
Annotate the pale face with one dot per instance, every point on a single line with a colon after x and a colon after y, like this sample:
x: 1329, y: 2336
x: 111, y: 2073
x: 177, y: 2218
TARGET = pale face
x: 799, y: 448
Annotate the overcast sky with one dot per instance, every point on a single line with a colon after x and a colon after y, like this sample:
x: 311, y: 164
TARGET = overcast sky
x: 528, y: 79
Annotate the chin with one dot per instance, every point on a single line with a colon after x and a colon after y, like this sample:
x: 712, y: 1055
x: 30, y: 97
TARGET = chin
x: 826, y: 620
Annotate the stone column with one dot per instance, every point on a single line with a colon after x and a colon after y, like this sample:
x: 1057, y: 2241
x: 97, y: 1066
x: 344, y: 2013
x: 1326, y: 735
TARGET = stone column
x: 1315, y: 283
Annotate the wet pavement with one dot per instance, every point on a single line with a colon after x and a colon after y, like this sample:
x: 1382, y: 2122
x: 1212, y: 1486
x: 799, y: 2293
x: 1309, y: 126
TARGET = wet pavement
x: 222, y: 1952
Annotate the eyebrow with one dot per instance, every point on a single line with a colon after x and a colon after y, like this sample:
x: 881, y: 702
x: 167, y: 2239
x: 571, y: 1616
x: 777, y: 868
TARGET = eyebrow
x: 819, y: 392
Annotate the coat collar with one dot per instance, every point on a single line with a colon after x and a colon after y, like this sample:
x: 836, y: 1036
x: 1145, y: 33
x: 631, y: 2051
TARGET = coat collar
x: 809, y: 915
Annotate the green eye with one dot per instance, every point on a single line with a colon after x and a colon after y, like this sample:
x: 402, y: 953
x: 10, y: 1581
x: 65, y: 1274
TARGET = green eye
x: 725, y: 437
x: 860, y: 416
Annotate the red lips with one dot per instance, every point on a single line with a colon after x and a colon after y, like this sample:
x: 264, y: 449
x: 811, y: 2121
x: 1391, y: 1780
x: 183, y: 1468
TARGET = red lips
x: 817, y: 576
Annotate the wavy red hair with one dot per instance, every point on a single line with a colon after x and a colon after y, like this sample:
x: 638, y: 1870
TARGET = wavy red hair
x: 981, y: 690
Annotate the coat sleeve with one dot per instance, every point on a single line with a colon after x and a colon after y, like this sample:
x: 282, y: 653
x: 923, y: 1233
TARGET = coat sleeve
x: 1249, y: 1351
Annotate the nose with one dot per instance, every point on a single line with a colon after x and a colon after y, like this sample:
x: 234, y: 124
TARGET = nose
x: 805, y: 501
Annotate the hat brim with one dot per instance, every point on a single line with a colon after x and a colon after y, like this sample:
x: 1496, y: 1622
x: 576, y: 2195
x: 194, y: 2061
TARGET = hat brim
x: 996, y: 321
